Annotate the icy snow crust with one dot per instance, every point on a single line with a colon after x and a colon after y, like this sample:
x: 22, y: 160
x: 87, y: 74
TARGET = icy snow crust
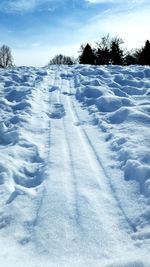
x: 74, y: 167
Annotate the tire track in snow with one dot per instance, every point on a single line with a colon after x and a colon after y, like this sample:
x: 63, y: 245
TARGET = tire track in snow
x: 69, y: 206
x: 89, y: 142
x: 83, y: 209
x: 39, y: 201
x: 93, y: 199
x: 74, y: 212
x: 80, y: 216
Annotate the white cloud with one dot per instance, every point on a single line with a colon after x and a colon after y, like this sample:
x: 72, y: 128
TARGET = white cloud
x: 23, y: 5
x: 18, y: 5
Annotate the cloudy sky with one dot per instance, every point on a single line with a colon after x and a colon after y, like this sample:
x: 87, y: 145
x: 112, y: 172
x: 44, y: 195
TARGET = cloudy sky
x: 36, y: 30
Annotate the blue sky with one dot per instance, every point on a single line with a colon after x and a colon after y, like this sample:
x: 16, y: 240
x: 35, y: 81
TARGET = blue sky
x: 36, y: 30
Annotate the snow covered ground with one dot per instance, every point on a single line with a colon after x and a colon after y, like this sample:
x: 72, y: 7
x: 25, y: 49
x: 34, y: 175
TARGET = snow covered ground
x: 74, y: 166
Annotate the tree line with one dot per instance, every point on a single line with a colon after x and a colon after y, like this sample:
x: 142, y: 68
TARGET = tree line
x: 109, y: 51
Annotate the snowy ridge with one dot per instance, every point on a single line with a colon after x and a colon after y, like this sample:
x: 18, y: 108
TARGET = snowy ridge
x: 74, y: 166
x: 22, y: 157
x: 126, y: 102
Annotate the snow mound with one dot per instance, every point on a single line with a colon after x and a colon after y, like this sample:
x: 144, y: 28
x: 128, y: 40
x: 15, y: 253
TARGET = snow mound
x: 141, y: 172
x: 130, y: 114
x: 20, y: 161
x: 8, y: 136
x: 18, y: 94
x: 112, y: 103
x: 118, y: 100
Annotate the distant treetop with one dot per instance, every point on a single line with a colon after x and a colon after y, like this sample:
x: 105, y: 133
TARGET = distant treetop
x: 109, y: 51
x: 61, y: 60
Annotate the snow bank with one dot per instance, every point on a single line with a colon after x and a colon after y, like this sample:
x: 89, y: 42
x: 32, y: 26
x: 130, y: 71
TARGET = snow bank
x: 129, y: 114
x: 119, y: 102
x: 112, y: 103
x: 117, y: 98
x: 140, y: 172
x: 21, y: 160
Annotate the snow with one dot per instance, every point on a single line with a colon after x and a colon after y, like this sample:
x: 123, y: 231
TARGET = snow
x: 74, y: 166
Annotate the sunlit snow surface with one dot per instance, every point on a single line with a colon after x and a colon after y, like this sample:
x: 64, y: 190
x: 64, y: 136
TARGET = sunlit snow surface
x: 74, y: 166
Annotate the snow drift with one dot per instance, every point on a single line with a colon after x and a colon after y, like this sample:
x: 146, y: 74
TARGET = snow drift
x: 74, y: 166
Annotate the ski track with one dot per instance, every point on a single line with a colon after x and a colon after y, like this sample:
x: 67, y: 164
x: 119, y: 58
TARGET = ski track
x: 83, y: 223
x: 101, y: 166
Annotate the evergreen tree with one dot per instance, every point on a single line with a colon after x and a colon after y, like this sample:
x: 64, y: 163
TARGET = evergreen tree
x: 116, y: 52
x: 144, y: 57
x: 129, y: 59
x: 87, y: 55
x: 103, y: 57
x: 103, y: 51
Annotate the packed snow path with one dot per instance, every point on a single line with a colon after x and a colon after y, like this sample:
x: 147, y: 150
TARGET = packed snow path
x: 79, y: 208
x: 67, y: 208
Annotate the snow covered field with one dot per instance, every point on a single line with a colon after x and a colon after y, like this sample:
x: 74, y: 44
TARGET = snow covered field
x: 74, y: 166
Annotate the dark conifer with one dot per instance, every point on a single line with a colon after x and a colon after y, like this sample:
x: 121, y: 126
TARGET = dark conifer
x: 116, y: 52
x: 144, y: 57
x: 129, y: 59
x: 103, y: 56
x: 87, y: 55
x: 103, y: 51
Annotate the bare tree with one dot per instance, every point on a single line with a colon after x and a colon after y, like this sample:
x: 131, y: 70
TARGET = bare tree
x: 61, y: 59
x: 6, y: 60
x: 103, y: 51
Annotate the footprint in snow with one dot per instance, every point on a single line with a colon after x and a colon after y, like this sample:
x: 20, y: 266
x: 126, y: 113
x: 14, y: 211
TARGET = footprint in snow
x: 53, y: 88
x: 68, y: 94
x: 57, y: 111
